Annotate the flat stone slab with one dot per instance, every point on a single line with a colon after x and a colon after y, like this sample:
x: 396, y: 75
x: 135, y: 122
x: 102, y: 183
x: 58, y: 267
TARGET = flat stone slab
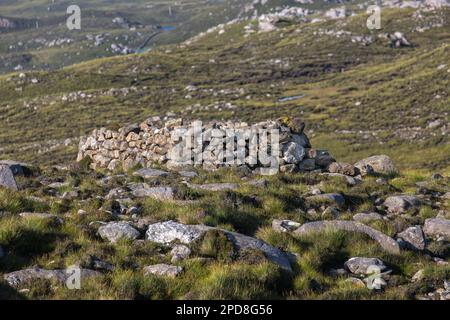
x: 215, y: 186
x: 7, y: 178
x: 16, y: 278
x: 386, y: 242
x: 148, y: 173
x: 169, y: 231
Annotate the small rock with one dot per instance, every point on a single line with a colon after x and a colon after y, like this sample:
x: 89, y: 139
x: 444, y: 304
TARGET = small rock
x: 163, y: 270
x: 158, y: 193
x: 437, y: 227
x: 413, y: 238
x: 180, y: 252
x: 418, y: 276
x: 401, y: 204
x: 114, y: 231
x: 343, y: 168
x: 361, y: 265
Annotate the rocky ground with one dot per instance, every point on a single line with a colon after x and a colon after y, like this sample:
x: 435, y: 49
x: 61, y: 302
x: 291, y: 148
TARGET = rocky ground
x: 151, y: 233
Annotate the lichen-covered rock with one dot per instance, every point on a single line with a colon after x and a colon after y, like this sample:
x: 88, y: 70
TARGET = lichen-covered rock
x: 361, y: 265
x: 164, y: 270
x: 343, y: 168
x: 413, y: 238
x: 7, y: 178
x: 285, y: 225
x: 180, y: 252
x: 114, y: 231
x: 380, y: 164
x: 437, y: 228
x: 402, y: 203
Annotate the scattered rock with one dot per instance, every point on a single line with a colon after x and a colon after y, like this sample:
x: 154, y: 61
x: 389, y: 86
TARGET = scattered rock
x: 386, y: 242
x: 215, y: 186
x: 362, y: 266
x: 437, y: 228
x: 114, y: 231
x: 343, y: 168
x: 16, y: 278
x: 7, y: 178
x: 380, y: 164
x: 163, y: 270
x: 413, y: 238
x: 401, y: 204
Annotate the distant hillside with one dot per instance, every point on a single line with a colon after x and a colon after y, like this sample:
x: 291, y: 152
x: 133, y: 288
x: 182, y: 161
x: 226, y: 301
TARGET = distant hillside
x: 358, y: 94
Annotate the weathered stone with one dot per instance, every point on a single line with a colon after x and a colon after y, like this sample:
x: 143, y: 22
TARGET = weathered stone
x: 7, y: 178
x: 285, y: 225
x: 343, y: 168
x: 380, y: 164
x: 169, y: 231
x: 330, y: 198
x: 437, y: 227
x: 188, y: 174
x: 117, y: 193
x: 18, y: 168
x: 16, y: 278
x: 362, y: 265
x: 387, y: 243
x: 401, y: 204
x: 148, y: 173
x: 418, y: 276
x: 413, y: 238
x: 158, y: 193
x: 293, y: 153
x: 367, y: 217
x: 114, y: 231
x: 163, y: 270
x: 180, y: 252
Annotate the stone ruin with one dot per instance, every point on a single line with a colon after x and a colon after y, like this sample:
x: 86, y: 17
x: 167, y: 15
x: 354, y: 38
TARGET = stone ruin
x: 158, y: 142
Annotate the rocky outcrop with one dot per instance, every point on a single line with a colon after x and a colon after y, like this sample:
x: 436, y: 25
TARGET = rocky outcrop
x: 387, y: 243
x: 170, y: 231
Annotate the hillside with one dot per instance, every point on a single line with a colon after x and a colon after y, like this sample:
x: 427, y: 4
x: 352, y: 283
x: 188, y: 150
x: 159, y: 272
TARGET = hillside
x: 356, y: 99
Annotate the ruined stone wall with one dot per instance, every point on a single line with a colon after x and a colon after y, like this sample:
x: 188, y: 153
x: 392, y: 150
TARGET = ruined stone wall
x: 156, y: 141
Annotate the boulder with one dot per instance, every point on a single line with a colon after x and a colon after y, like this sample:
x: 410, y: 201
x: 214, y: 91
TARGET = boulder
x: 148, y: 173
x: 16, y: 278
x: 7, y: 178
x: 142, y: 190
x: 437, y: 228
x: 380, y: 164
x: 386, y: 242
x: 402, y: 203
x: 164, y: 270
x: 114, y: 231
x: 367, y: 217
x: 362, y: 265
x: 169, y: 231
x: 412, y: 238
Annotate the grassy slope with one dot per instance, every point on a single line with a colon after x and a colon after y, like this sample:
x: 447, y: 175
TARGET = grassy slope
x: 397, y: 89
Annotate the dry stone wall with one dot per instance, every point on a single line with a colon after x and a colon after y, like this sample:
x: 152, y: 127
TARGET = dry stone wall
x: 213, y: 145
